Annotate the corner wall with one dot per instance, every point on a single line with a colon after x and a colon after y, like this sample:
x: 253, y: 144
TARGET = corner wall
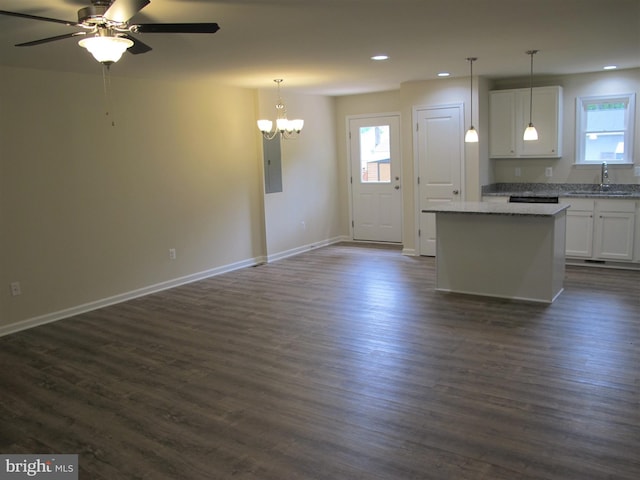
x: 306, y: 214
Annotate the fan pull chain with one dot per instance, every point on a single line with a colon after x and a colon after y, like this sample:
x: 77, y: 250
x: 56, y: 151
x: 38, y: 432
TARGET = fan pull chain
x: 106, y: 81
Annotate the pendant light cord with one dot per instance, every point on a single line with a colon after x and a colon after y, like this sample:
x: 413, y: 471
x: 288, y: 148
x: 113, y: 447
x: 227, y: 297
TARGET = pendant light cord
x: 471, y: 89
x: 106, y: 82
x: 531, y: 53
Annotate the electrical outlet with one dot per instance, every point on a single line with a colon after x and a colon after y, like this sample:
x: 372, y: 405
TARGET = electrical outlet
x: 518, y: 172
x: 636, y: 171
x: 303, y: 225
x: 548, y: 172
x: 15, y: 289
x: 172, y: 253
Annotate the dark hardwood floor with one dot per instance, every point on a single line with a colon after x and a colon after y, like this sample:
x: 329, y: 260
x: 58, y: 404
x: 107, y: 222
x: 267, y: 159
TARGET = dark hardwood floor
x: 339, y: 363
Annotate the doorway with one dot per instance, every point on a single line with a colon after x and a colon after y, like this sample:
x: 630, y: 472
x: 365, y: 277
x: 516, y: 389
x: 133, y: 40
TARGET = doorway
x: 376, y: 196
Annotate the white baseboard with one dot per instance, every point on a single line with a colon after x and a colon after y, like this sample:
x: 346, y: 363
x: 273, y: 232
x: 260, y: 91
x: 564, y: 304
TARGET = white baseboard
x: 123, y: 297
x: 305, y: 248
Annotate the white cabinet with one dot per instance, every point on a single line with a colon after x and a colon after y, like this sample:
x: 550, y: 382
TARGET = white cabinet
x: 502, y: 124
x: 580, y: 228
x: 601, y: 229
x: 636, y: 247
x: 509, y: 116
x: 614, y: 229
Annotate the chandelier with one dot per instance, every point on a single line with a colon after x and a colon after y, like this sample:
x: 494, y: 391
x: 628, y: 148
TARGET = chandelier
x: 285, y: 127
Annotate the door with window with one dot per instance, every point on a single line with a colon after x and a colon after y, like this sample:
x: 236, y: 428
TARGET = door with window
x: 375, y: 178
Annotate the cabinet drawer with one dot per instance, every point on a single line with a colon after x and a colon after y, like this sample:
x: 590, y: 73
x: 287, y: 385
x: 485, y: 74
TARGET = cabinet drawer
x: 613, y: 205
x: 586, y: 204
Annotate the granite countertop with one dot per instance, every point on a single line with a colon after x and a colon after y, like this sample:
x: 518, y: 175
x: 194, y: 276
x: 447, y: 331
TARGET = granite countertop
x: 587, y: 190
x: 492, y: 208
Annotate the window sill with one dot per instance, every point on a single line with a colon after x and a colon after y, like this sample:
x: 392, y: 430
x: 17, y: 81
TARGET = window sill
x: 609, y: 164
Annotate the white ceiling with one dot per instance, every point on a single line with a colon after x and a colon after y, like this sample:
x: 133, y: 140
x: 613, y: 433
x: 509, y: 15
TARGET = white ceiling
x: 324, y: 46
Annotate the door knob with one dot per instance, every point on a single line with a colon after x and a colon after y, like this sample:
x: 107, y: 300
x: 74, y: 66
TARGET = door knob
x: 455, y: 192
x: 397, y: 187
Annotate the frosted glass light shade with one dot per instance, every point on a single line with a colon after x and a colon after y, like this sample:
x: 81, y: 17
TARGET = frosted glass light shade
x: 297, y: 124
x: 265, y: 125
x: 530, y: 133
x: 282, y: 124
x: 106, y: 49
x: 471, y: 136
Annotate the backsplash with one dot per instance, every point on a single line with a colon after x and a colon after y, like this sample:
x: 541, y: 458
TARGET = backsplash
x: 554, y: 188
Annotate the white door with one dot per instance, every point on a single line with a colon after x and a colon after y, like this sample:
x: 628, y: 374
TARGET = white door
x: 375, y: 178
x: 440, y: 153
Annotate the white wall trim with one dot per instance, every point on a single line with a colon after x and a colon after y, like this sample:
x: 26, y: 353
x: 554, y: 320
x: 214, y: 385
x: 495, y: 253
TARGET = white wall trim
x: 158, y: 287
x: 123, y: 297
x: 305, y: 248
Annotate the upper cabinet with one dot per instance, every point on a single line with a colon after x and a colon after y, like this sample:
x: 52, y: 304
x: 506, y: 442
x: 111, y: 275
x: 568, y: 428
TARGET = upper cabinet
x: 509, y: 116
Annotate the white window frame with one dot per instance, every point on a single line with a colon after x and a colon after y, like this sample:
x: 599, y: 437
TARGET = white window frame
x: 581, y: 123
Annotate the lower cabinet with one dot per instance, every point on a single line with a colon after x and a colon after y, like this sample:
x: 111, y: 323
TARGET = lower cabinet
x: 580, y: 228
x: 601, y: 229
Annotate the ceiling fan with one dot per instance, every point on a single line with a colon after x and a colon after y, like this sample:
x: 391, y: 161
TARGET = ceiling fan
x: 106, y: 29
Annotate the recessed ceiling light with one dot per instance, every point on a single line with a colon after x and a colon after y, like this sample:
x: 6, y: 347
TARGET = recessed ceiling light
x: 380, y: 57
x: 444, y: 74
x: 610, y: 67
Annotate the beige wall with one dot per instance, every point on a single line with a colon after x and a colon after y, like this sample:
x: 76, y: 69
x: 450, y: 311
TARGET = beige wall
x: 410, y: 95
x: 89, y: 211
x: 308, y: 210
x: 564, y: 169
x: 355, y: 105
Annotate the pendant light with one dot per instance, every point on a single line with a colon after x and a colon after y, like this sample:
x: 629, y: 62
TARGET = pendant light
x: 530, y: 132
x: 472, y: 134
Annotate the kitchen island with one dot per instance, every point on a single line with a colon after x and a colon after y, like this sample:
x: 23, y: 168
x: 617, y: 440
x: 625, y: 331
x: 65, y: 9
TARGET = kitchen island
x: 507, y: 250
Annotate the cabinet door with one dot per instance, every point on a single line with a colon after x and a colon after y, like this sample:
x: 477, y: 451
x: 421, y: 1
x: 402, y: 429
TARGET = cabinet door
x: 502, y: 112
x: 579, y: 233
x: 546, y: 118
x: 614, y: 235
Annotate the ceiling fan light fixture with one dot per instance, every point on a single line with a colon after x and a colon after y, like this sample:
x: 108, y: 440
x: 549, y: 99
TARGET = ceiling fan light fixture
x: 106, y: 49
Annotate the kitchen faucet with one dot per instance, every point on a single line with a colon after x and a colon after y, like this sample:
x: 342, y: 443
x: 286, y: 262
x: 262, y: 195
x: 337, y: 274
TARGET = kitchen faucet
x: 604, y: 177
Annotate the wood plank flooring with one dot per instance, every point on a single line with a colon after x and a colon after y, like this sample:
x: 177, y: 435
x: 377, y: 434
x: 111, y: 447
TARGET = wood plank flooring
x: 339, y: 363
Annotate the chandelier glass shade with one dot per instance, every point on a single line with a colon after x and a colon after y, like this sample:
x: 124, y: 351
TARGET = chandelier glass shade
x: 284, y: 127
x: 106, y: 49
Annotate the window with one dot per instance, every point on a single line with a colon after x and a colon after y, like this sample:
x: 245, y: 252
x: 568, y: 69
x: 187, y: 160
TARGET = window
x: 604, y: 129
x: 375, y: 154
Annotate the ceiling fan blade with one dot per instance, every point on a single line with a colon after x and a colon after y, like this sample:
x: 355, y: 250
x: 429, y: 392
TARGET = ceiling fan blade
x: 177, y: 28
x: 50, y: 39
x: 138, y: 46
x: 36, y: 17
x: 122, y: 10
